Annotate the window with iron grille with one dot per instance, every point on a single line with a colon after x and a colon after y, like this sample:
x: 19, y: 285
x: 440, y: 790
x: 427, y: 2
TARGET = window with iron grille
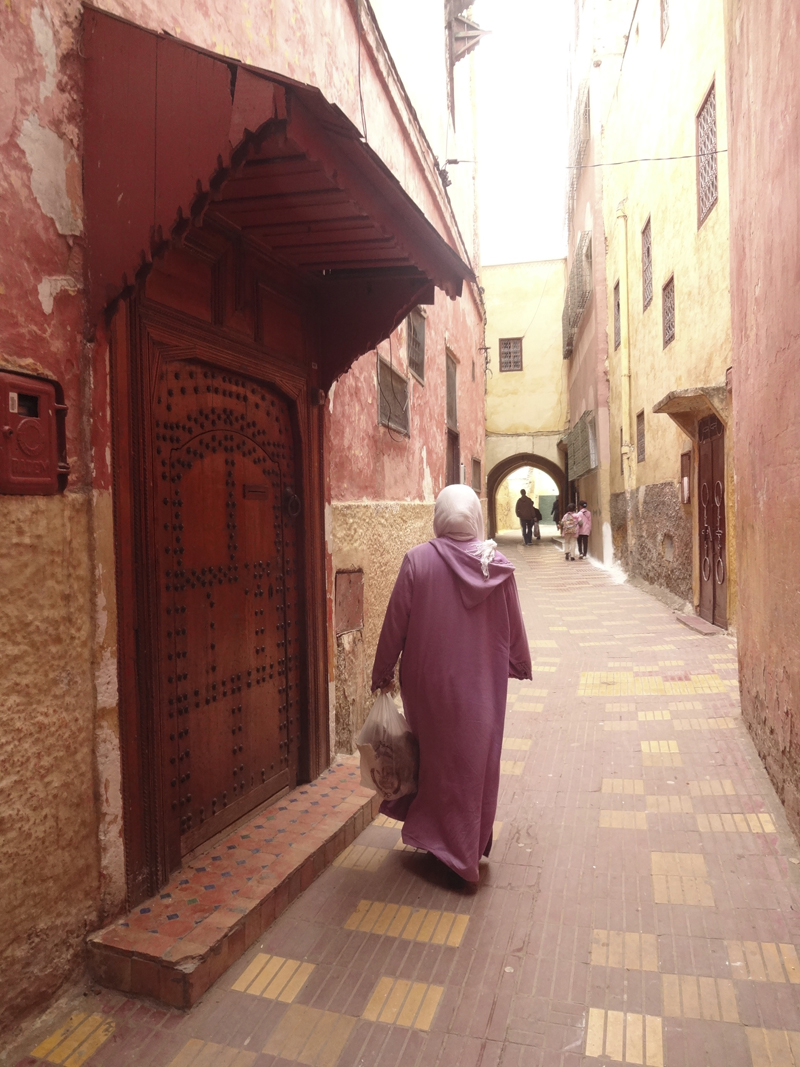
x: 706, y: 156
x: 647, y: 266
x: 416, y: 344
x: 452, y: 394
x: 640, y: 437
x: 476, y: 475
x: 392, y: 398
x: 664, y: 20
x: 668, y: 311
x: 617, y: 317
x: 510, y: 353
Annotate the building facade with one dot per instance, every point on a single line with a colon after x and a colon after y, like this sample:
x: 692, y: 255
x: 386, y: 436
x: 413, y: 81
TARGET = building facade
x: 210, y: 220
x: 526, y: 389
x: 668, y: 309
x: 763, y: 95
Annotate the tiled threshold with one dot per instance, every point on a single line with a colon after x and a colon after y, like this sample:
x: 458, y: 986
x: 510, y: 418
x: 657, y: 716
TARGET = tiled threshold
x: 174, y: 946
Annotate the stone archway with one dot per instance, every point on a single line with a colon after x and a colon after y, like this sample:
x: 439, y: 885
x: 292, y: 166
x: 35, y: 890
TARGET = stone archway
x: 507, y: 466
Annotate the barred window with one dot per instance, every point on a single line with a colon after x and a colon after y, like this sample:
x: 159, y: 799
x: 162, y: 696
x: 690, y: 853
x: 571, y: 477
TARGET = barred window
x: 392, y: 398
x: 706, y: 156
x: 664, y: 20
x: 416, y: 344
x: 640, y: 437
x: 510, y: 353
x: 617, y: 318
x: 476, y: 476
x: 647, y: 266
x: 668, y: 311
x: 452, y: 394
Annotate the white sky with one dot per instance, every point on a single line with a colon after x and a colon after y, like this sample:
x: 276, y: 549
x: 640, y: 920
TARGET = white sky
x: 521, y: 71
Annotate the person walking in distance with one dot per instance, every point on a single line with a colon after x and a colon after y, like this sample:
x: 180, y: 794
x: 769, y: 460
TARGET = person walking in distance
x: 555, y: 511
x: 537, y: 518
x: 570, y: 525
x: 526, y: 514
x: 585, y: 529
x: 455, y: 619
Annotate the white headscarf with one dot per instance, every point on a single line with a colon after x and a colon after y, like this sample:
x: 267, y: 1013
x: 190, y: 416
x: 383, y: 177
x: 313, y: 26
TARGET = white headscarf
x: 458, y: 514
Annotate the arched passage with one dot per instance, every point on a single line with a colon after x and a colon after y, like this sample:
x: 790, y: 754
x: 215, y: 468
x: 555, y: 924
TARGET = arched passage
x: 507, y: 466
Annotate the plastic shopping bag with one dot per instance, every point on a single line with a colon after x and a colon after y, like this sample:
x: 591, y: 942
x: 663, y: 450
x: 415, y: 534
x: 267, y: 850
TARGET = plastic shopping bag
x: 389, y: 751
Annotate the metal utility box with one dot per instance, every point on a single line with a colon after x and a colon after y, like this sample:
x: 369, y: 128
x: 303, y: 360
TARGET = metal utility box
x: 32, y: 437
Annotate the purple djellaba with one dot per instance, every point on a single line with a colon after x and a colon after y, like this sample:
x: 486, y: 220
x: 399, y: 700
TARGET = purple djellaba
x: 455, y: 617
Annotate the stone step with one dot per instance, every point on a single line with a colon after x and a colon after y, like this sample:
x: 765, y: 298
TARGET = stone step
x: 174, y: 946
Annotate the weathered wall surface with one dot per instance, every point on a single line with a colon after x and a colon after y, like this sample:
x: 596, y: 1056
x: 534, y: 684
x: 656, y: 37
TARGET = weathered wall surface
x: 652, y: 535
x: 764, y: 153
x: 681, y: 70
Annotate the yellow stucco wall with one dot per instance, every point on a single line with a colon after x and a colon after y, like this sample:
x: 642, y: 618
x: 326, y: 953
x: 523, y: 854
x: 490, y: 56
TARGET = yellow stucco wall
x: 526, y: 300
x: 653, y: 115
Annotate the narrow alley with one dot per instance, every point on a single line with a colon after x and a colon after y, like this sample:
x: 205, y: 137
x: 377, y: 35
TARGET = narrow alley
x: 640, y: 904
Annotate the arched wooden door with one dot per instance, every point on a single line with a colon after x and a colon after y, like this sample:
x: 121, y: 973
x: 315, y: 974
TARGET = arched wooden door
x: 228, y: 597
x: 711, y: 497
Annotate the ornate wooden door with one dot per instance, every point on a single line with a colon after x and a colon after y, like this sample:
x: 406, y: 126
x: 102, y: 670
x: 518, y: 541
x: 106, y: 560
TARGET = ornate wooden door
x: 228, y: 599
x: 711, y: 497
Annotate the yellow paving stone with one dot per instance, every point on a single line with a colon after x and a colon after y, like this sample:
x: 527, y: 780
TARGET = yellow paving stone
x: 612, y: 819
x: 725, y: 722
x: 411, y: 1006
x: 196, y: 1053
x: 310, y: 1036
x: 508, y: 766
x: 519, y: 744
x: 628, y: 786
x: 76, y: 1040
x: 616, y: 948
x: 669, y: 805
x: 622, y: 683
x: 612, y: 708
x: 624, y: 726
x: 712, y: 787
x: 429, y: 1006
x: 497, y: 826
x: 401, y: 846
x: 680, y: 878
x: 544, y: 668
x: 625, y: 1037
x: 654, y: 716
x: 543, y: 644
x: 773, y: 1048
x: 443, y: 927
x: 361, y: 857
x: 735, y: 822
x: 458, y: 930
x: 420, y: 924
x: 384, y: 820
x: 686, y: 996
x: 763, y: 961
x: 533, y: 692
x: 525, y: 705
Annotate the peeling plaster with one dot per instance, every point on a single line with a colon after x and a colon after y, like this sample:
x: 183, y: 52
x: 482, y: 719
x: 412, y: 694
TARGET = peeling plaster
x: 46, y: 43
x: 105, y: 680
x: 329, y: 528
x: 427, y: 479
x: 8, y: 98
x: 331, y: 391
x: 107, y: 758
x: 55, y: 173
x: 51, y: 286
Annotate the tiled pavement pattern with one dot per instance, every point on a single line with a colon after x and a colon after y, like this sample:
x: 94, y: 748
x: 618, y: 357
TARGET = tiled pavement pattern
x: 641, y: 904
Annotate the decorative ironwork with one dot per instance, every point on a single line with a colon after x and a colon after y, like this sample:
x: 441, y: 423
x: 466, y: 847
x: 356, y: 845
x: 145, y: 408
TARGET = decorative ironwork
x: 510, y: 353
x: 392, y: 399
x: 664, y: 20
x: 668, y: 311
x: 707, y: 156
x: 579, y: 289
x: 578, y: 143
x: 582, y: 446
x: 617, y: 317
x: 647, y: 266
x: 640, y: 452
x: 416, y: 344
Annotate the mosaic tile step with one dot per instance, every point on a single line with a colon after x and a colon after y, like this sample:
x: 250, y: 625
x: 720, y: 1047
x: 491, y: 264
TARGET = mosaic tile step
x: 177, y: 944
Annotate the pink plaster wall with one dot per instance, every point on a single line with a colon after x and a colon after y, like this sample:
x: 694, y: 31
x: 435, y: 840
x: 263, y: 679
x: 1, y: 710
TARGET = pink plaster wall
x: 764, y: 161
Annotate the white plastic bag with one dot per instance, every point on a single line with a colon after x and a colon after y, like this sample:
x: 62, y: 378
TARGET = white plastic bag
x: 389, y: 751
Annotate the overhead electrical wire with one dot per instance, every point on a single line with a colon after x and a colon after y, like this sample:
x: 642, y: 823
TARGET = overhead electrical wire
x: 646, y: 159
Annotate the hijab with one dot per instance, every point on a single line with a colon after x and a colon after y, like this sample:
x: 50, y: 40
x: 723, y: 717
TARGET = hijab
x: 458, y: 515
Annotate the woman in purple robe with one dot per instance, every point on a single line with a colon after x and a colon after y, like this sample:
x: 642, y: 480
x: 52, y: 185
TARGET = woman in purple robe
x: 454, y: 614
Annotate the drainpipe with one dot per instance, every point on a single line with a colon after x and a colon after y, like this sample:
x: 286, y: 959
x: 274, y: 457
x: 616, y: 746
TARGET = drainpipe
x: 625, y: 354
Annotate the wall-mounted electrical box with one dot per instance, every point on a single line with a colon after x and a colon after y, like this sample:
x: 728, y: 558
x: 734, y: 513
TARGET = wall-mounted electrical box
x: 32, y: 436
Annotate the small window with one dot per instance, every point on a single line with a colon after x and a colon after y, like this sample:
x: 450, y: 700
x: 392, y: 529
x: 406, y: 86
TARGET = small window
x: 392, y: 398
x: 686, y: 477
x: 510, y: 353
x: 706, y: 157
x: 476, y: 475
x: 668, y: 311
x: 664, y: 20
x: 640, y: 437
x: 416, y: 344
x: 452, y: 394
x: 647, y: 266
x: 617, y: 317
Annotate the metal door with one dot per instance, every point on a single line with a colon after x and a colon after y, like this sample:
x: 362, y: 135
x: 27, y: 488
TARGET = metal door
x: 229, y: 632
x: 711, y: 504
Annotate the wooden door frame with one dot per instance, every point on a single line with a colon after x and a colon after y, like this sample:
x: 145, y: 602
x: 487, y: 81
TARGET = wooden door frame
x: 150, y: 854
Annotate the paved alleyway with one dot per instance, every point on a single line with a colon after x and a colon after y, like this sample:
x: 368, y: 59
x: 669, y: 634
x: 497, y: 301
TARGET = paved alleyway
x: 640, y: 906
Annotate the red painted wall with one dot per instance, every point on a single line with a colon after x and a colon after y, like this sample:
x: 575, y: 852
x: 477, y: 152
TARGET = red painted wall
x: 764, y: 160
